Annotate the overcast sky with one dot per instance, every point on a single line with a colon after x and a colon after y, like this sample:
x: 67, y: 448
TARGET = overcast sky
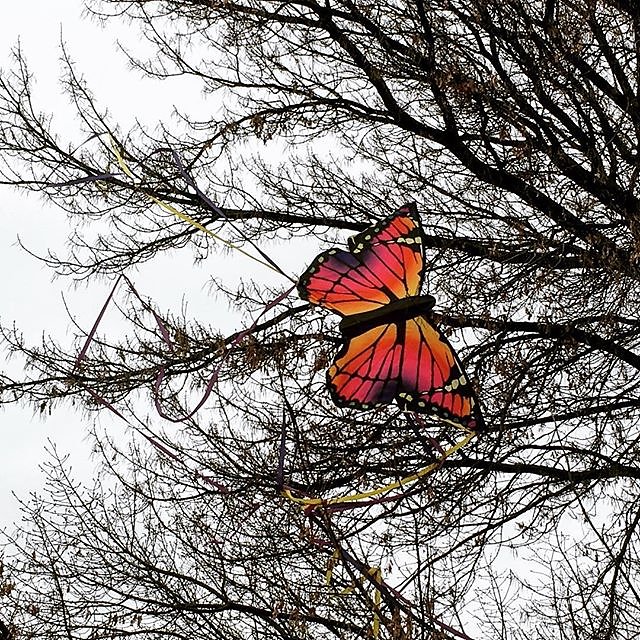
x: 30, y: 296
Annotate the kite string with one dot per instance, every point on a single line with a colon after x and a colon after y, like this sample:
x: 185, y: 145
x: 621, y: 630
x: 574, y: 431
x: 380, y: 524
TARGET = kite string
x: 218, y: 211
x: 194, y: 223
x: 267, y: 262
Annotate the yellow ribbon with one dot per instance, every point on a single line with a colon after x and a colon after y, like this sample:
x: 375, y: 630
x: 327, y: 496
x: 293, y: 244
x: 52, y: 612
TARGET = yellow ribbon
x: 180, y: 214
x: 356, y: 497
x: 333, y: 560
x: 376, y: 574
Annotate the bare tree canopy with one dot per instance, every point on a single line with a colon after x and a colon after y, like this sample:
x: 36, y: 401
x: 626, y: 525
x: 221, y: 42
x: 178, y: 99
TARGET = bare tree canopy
x: 515, y: 127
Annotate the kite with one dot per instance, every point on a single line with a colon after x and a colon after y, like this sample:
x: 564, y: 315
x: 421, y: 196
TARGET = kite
x: 391, y: 350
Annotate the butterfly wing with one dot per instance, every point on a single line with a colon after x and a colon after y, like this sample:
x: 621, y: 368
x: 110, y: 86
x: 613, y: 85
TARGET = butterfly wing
x: 410, y: 362
x: 366, y: 371
x: 385, y: 263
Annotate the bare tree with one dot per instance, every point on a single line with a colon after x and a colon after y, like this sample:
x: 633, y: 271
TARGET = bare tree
x: 515, y: 127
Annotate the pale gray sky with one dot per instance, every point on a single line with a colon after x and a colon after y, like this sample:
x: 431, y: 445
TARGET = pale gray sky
x: 29, y: 295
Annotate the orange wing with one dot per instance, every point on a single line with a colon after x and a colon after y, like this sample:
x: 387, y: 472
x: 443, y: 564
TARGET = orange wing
x: 384, y: 264
x: 410, y: 362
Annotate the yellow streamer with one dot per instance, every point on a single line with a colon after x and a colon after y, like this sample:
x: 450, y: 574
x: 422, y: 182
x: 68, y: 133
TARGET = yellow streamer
x: 330, y: 565
x: 377, y: 600
x: 197, y: 225
x: 376, y: 574
x: 356, y: 497
x: 120, y: 159
x: 183, y: 216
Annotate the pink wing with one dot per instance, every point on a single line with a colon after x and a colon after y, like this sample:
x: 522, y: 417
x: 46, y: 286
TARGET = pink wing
x: 385, y: 263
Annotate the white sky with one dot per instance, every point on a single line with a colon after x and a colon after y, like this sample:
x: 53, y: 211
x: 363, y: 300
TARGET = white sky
x: 29, y: 295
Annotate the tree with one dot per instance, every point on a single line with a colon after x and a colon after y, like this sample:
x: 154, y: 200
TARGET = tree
x: 514, y: 126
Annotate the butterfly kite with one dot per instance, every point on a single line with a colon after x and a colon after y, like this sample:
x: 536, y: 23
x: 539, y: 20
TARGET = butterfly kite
x: 391, y: 350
